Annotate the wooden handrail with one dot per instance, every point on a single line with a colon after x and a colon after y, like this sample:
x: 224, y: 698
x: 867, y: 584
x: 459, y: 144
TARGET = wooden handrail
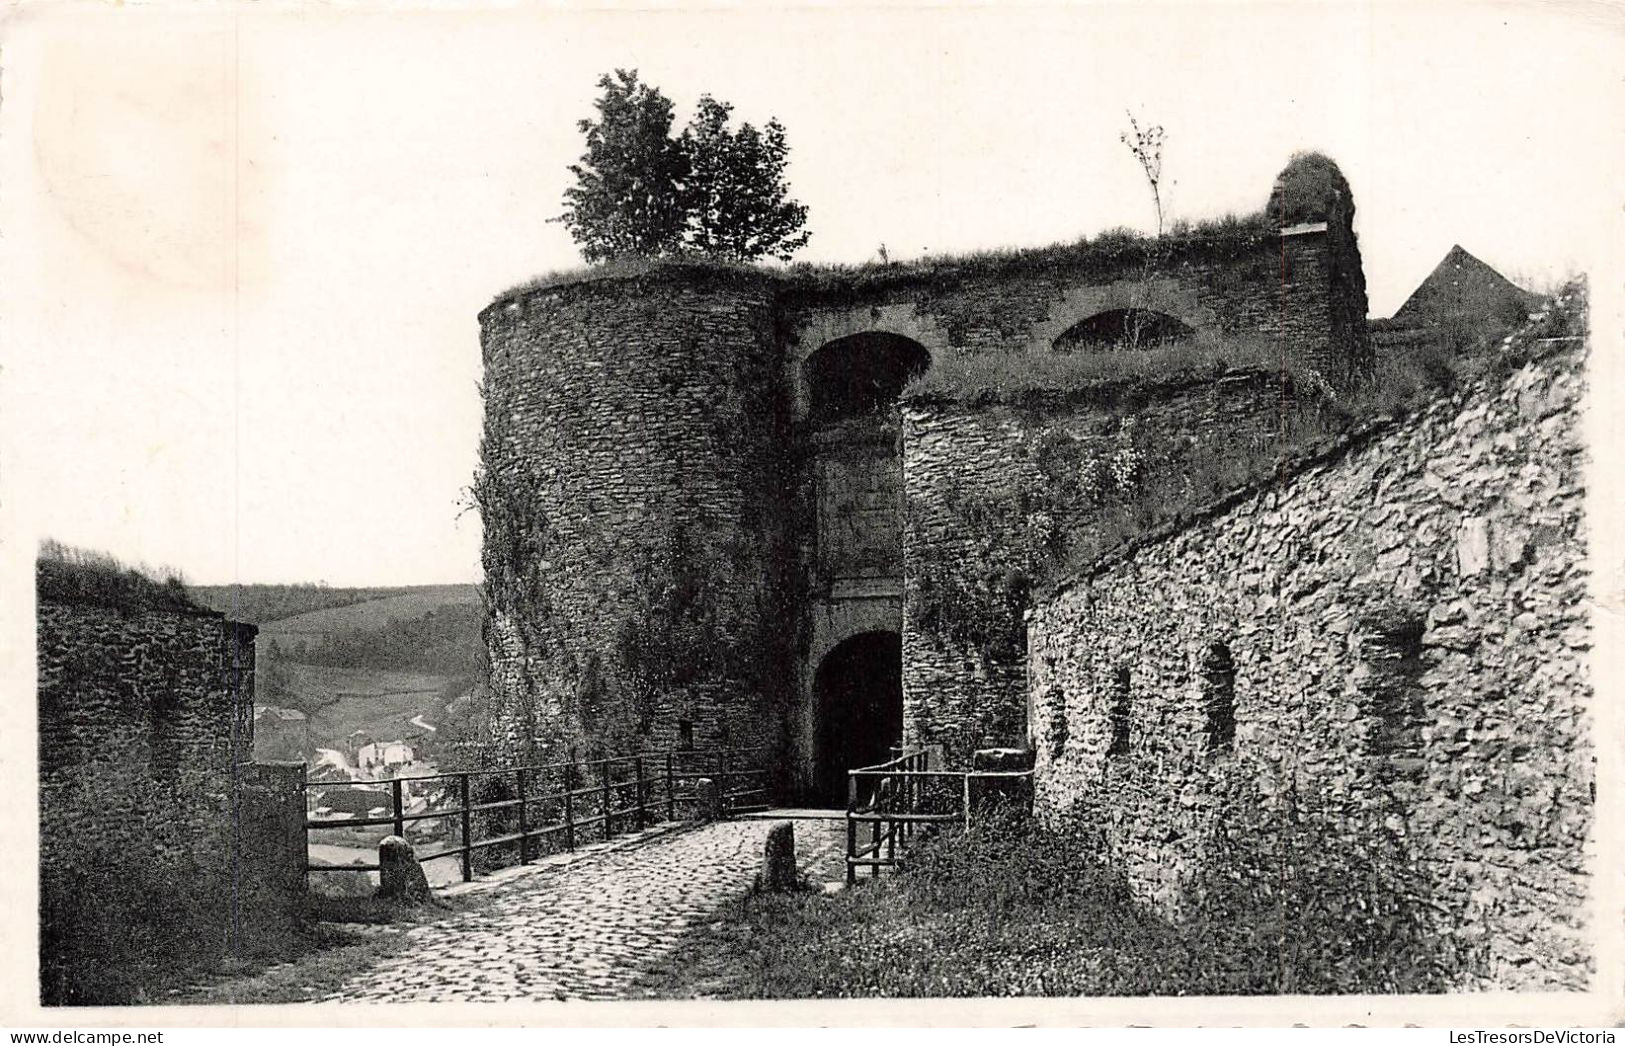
x: 909, y: 773
x: 624, y: 793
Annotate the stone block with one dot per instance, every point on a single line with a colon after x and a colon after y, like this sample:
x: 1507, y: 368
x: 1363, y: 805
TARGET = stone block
x: 1473, y: 546
x: 400, y: 876
x: 707, y: 800
x: 779, y: 860
x: 1012, y: 795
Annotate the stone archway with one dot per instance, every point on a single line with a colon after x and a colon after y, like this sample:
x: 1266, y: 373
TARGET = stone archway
x: 1123, y: 328
x: 860, y: 374
x: 858, y: 704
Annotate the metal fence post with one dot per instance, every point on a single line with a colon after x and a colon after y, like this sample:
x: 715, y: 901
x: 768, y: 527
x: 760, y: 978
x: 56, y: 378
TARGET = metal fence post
x: 643, y: 812
x: 722, y: 781
x: 524, y: 822
x: 606, y: 798
x: 468, y: 848
x: 570, y: 802
x: 851, y: 829
x: 400, y: 812
x: 967, y: 800
x: 671, y: 792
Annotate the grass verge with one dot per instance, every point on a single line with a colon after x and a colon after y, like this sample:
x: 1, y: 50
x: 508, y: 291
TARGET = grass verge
x: 352, y: 934
x: 1006, y: 910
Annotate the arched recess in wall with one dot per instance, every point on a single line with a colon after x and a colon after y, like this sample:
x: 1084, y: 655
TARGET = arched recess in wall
x: 1124, y: 328
x: 861, y: 374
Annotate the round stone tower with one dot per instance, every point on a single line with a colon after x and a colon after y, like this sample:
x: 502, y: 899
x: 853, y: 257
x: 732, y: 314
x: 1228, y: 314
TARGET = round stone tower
x: 633, y: 484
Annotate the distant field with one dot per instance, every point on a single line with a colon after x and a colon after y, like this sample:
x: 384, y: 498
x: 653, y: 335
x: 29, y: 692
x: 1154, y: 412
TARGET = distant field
x: 261, y: 604
x: 369, y: 614
x: 319, y: 683
x: 390, y: 655
x: 384, y: 717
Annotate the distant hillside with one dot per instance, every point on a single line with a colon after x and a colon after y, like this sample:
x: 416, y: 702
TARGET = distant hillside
x: 375, y: 612
x: 440, y: 637
x: 259, y: 604
x: 385, y: 661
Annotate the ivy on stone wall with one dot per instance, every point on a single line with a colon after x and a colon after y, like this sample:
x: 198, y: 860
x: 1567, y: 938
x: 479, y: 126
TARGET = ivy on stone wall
x: 972, y: 591
x: 518, y: 532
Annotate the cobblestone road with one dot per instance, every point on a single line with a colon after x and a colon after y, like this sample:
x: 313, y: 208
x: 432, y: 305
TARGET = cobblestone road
x: 588, y: 930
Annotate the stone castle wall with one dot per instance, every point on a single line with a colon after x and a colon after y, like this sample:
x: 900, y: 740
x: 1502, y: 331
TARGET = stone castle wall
x: 991, y: 493
x: 137, y: 702
x: 145, y: 717
x: 632, y: 498
x: 1377, y: 663
x: 673, y: 543
x: 1268, y: 284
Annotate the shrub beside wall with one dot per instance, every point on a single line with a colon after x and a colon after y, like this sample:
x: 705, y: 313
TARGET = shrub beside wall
x: 1403, y: 629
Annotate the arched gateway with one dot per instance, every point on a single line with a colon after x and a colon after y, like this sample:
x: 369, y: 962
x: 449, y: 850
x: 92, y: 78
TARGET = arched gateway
x: 858, y: 695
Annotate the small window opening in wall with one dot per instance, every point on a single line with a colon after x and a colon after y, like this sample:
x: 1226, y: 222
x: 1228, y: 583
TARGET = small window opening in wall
x: 1055, y: 701
x: 1390, y: 687
x: 1219, y: 697
x: 685, y: 734
x: 1119, y: 712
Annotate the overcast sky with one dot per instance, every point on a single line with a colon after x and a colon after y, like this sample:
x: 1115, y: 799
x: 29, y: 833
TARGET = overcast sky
x: 244, y: 248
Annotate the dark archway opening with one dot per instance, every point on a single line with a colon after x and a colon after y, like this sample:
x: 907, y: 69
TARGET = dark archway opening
x: 861, y: 374
x: 1124, y: 328
x: 858, y: 695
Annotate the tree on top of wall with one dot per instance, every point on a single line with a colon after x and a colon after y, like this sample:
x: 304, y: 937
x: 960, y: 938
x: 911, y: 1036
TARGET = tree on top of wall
x: 1146, y: 145
x: 627, y: 198
x: 712, y: 191
x: 738, y: 205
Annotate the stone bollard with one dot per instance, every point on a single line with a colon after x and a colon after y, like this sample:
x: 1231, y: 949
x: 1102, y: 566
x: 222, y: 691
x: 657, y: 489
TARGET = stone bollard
x: 707, y: 800
x: 400, y: 876
x: 1012, y: 796
x: 779, y: 863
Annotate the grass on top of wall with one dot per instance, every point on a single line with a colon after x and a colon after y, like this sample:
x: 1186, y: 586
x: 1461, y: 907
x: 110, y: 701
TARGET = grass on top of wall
x: 65, y: 574
x: 1112, y: 251
x: 1116, y: 250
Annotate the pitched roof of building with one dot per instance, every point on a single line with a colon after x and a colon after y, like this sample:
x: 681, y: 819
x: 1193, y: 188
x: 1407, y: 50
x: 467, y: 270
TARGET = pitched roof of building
x: 1462, y: 283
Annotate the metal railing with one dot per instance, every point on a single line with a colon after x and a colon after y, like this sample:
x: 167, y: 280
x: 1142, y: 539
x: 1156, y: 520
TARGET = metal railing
x: 540, y: 809
x: 895, y: 799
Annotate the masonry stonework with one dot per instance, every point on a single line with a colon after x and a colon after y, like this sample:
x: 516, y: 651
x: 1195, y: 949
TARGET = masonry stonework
x: 632, y: 499
x: 992, y: 489
x: 145, y: 720
x: 1255, y: 281
x: 675, y: 541
x: 1384, y: 651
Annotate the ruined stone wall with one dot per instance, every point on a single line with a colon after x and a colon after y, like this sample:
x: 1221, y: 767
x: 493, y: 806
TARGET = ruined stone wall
x: 1258, y: 282
x: 633, y: 485
x: 994, y: 493
x: 132, y: 702
x: 1363, y: 685
x: 144, y: 718
x: 672, y: 539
